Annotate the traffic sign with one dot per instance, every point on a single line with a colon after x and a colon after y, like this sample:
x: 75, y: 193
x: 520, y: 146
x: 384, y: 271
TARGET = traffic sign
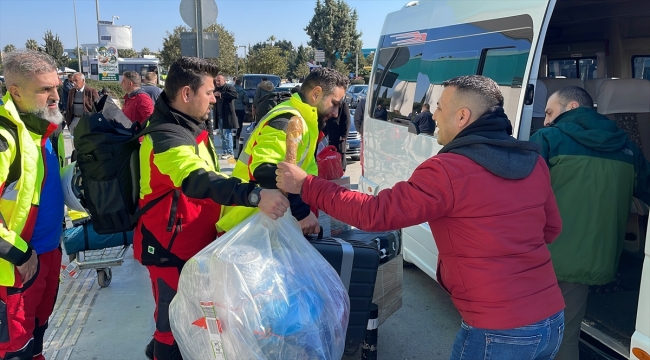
x: 319, y: 55
x: 209, y: 12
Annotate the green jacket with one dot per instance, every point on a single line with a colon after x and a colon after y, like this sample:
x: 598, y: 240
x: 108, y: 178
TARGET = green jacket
x: 595, y: 171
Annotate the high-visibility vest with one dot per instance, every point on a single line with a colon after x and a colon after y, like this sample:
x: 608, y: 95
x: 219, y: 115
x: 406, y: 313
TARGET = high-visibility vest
x: 19, y: 201
x: 268, y: 145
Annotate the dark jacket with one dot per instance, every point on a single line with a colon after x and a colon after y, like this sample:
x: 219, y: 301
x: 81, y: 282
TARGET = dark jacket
x: 152, y: 90
x: 67, y: 86
x: 138, y: 106
x: 90, y: 97
x: 183, y: 223
x: 424, y: 122
x: 595, y: 171
x: 265, y: 88
x: 358, y: 115
x: 226, y: 107
x: 380, y: 114
x: 338, y: 128
x: 242, y: 98
x: 493, y: 257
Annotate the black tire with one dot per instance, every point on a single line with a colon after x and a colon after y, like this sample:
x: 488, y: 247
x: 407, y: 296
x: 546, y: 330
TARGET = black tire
x: 355, y: 158
x: 104, y: 277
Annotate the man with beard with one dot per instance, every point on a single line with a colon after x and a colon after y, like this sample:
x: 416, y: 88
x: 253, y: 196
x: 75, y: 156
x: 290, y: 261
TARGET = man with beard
x: 31, y: 155
x: 181, y: 184
x: 320, y: 97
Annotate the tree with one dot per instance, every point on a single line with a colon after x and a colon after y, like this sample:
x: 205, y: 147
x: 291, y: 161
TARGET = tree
x: 341, y: 67
x: 334, y: 29
x: 172, y: 45
x: 32, y: 44
x: 145, y: 51
x: 54, y: 47
x: 127, y: 53
x: 227, y: 50
x: 9, y: 48
x: 267, y: 60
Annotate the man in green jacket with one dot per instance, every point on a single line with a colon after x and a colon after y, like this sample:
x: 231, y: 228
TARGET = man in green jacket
x: 595, y: 170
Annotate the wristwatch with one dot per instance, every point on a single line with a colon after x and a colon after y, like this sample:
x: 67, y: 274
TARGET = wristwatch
x: 254, y: 197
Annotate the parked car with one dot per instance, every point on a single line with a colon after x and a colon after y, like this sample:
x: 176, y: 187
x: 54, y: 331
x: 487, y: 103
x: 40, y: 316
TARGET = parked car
x: 353, y: 143
x: 285, y: 87
x: 250, y: 83
x: 354, y: 94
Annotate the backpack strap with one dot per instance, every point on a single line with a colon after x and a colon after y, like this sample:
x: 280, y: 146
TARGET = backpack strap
x: 172, y: 129
x: 168, y: 128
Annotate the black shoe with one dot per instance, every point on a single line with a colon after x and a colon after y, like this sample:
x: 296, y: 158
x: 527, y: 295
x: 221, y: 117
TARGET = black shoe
x: 148, y: 350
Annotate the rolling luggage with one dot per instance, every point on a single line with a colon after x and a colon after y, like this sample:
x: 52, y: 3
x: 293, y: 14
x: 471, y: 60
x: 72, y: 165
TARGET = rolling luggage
x: 388, y: 242
x: 356, y: 262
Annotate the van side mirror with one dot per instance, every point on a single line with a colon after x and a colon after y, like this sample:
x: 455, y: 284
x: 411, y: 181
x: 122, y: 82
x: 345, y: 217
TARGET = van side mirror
x: 530, y: 94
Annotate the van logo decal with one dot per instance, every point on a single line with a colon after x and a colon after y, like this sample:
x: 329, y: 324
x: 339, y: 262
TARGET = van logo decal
x: 409, y: 38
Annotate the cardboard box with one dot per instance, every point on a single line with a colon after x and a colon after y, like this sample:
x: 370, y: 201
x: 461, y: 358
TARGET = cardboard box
x: 388, y: 287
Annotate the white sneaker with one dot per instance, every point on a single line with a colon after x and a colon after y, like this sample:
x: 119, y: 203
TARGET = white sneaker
x: 226, y: 157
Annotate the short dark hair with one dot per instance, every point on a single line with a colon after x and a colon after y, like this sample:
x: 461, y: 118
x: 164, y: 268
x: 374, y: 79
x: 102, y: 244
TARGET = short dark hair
x: 238, y: 82
x: 574, y: 93
x: 188, y: 71
x: 426, y: 106
x: 133, y: 76
x: 327, y: 79
x: 483, y: 91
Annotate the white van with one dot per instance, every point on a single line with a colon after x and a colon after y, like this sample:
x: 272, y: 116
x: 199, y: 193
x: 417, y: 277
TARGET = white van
x: 530, y: 48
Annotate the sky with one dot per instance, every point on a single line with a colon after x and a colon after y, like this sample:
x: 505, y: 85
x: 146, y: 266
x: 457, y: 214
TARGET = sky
x: 251, y: 21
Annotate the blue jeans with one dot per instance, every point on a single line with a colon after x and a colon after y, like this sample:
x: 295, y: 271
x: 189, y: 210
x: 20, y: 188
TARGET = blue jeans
x: 226, y: 138
x: 537, y: 341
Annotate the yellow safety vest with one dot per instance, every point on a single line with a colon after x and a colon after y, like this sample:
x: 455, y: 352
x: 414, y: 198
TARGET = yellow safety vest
x: 268, y: 145
x: 19, y: 201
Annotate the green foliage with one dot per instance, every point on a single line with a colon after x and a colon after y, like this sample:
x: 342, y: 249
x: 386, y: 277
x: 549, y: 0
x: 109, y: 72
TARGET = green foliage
x: 113, y: 87
x: 54, y: 47
x: 32, y: 44
x: 9, y: 48
x: 227, y: 51
x: 267, y: 60
x: 74, y: 64
x: 127, y: 53
x: 334, y: 29
x: 145, y: 51
x: 357, y: 82
x: 341, y: 67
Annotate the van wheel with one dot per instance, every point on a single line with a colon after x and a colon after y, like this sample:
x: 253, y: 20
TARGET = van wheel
x: 355, y: 158
x: 104, y: 277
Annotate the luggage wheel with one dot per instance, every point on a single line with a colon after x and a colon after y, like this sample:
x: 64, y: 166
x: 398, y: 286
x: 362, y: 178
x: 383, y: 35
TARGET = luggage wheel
x: 104, y: 277
x: 351, y: 349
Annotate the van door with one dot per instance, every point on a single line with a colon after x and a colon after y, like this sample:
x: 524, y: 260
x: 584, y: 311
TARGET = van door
x: 640, y: 344
x: 424, y: 44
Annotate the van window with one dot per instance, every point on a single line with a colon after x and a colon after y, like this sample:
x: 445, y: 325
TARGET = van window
x: 409, y: 75
x: 641, y: 67
x: 583, y: 68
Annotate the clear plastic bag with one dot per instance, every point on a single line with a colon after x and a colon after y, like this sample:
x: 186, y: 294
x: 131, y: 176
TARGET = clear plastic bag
x: 261, y: 291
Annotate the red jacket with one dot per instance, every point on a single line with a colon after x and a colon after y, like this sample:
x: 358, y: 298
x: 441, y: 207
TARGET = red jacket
x: 138, y: 106
x: 491, y: 234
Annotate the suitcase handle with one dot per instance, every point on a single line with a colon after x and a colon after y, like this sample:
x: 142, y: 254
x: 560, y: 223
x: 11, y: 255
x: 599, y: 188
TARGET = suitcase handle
x: 318, y: 237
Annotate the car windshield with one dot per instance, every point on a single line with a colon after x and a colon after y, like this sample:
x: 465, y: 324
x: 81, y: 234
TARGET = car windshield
x: 252, y: 81
x: 357, y: 89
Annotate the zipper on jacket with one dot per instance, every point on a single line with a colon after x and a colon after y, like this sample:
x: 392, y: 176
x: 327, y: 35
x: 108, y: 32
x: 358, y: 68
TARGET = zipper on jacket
x: 173, y: 211
x: 179, y: 228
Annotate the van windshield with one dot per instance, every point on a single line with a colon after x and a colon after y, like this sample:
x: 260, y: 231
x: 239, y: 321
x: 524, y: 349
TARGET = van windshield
x: 252, y: 81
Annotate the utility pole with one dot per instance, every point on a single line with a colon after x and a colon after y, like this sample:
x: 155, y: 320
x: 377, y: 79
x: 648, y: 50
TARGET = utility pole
x: 74, y: 7
x: 356, y: 73
x: 199, y: 29
x: 98, y: 36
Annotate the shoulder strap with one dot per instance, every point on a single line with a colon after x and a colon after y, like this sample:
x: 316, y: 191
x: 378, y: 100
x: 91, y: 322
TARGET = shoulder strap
x: 14, y: 167
x: 172, y: 129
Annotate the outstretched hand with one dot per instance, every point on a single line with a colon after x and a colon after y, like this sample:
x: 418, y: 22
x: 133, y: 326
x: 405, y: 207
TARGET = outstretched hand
x: 273, y: 203
x: 290, y: 178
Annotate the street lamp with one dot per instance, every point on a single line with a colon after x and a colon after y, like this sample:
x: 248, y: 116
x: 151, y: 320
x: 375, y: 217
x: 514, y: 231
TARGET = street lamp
x: 113, y: 19
x: 74, y: 7
x: 237, y: 62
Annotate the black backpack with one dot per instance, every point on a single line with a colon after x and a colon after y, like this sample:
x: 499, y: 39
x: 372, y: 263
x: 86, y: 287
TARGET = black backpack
x: 107, y: 153
x: 269, y: 101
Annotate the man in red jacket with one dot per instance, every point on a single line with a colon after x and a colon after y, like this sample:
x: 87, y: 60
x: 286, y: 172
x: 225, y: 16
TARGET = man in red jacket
x: 138, y: 105
x: 488, y: 200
